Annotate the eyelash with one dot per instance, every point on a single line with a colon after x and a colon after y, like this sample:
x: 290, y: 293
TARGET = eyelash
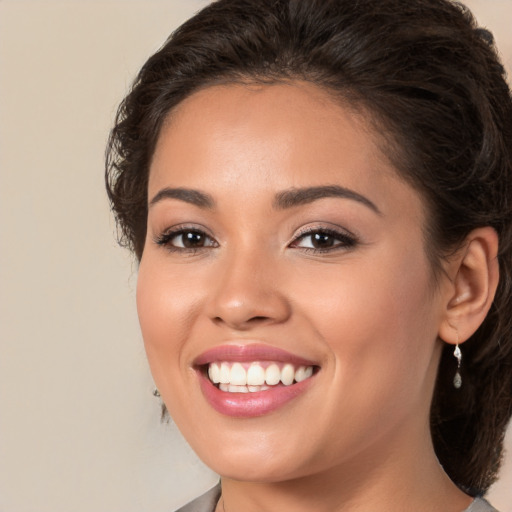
x: 166, y: 238
x: 344, y: 240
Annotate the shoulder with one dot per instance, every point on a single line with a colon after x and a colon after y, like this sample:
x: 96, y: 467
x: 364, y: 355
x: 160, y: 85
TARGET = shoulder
x: 480, y: 505
x: 204, y: 503
x: 208, y: 501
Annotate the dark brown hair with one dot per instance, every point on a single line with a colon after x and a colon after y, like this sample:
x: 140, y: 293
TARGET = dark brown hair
x: 435, y: 89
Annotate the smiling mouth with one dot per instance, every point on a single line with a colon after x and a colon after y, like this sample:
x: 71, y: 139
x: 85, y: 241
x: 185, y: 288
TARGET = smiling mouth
x: 248, y: 380
x: 255, y: 376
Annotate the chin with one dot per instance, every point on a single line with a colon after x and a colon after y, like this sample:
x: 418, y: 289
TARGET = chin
x: 264, y: 469
x: 261, y: 459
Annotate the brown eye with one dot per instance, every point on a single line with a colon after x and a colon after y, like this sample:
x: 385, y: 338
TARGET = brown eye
x: 185, y: 239
x: 190, y: 240
x: 324, y: 240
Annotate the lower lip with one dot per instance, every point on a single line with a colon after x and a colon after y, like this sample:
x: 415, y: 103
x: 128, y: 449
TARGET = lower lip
x: 250, y: 405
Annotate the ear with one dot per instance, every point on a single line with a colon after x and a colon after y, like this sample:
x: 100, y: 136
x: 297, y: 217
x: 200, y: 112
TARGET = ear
x: 473, y: 278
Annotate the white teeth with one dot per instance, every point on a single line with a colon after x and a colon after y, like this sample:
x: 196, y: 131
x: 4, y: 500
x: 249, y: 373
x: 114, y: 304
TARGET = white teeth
x: 238, y: 375
x: 287, y: 374
x: 230, y: 388
x: 224, y: 373
x: 214, y: 373
x: 255, y: 375
x: 237, y: 389
x: 303, y: 372
x: 272, y: 375
x: 234, y: 378
x: 253, y: 389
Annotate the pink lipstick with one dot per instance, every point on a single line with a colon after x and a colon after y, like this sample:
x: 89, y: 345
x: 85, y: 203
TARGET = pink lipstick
x: 252, y: 380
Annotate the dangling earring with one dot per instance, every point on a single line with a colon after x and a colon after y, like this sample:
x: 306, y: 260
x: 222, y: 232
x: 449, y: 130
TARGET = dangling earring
x: 164, y: 416
x: 457, y: 380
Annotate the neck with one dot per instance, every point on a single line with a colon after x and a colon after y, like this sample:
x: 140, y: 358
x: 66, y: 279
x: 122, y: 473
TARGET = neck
x: 397, y: 476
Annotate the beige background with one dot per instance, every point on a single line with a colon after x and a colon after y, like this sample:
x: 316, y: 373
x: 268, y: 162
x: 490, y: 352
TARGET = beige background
x: 79, y: 427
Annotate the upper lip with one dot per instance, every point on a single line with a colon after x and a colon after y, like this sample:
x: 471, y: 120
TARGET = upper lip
x: 248, y: 352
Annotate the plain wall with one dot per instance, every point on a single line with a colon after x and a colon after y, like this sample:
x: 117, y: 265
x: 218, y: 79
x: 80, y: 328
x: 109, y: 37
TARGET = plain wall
x: 79, y: 427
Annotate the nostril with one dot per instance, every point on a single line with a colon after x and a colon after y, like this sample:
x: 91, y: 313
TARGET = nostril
x: 248, y: 309
x: 248, y: 321
x: 258, y: 319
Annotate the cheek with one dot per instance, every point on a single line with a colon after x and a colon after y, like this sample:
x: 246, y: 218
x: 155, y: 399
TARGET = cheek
x: 379, y: 329
x: 165, y: 307
x: 376, y: 318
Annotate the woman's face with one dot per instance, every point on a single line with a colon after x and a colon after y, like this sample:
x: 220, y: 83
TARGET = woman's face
x: 282, y: 246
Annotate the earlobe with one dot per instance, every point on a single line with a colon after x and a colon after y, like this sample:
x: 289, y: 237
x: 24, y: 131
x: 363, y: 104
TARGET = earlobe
x: 474, y: 276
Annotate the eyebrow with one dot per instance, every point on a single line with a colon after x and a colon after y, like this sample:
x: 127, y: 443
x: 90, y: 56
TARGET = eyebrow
x: 200, y: 199
x: 298, y: 196
x: 283, y: 200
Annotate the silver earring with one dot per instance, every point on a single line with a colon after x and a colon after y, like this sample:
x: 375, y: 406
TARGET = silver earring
x: 457, y: 380
x: 156, y: 392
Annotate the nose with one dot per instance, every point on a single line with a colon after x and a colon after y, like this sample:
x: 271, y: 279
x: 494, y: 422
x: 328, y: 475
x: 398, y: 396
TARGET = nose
x: 247, y: 293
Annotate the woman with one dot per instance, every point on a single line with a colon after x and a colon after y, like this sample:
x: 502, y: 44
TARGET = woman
x: 319, y: 195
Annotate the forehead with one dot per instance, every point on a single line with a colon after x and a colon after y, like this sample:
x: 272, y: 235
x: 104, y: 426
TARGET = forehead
x: 244, y: 143
x: 261, y: 128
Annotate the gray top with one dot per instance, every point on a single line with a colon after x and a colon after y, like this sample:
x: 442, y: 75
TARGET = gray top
x: 208, y: 501
x: 480, y: 505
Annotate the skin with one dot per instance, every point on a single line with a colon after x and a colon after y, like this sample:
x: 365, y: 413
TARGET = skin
x: 367, y: 312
